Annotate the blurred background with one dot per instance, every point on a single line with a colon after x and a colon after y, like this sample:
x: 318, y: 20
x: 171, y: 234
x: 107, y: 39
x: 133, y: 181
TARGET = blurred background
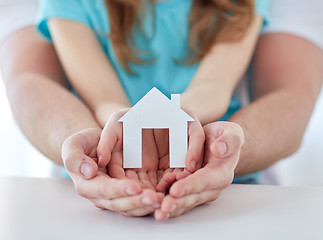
x: 19, y: 158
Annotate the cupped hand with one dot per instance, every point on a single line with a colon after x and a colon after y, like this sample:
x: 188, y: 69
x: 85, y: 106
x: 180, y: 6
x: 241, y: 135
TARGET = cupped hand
x: 125, y: 196
x: 110, y: 149
x: 222, y: 150
x: 155, y: 173
x: 193, y: 160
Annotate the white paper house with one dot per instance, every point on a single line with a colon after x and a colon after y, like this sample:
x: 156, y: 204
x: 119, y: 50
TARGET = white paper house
x: 155, y: 111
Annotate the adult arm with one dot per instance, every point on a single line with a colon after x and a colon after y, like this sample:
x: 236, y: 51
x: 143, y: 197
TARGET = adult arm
x: 35, y: 82
x: 53, y: 119
x: 287, y: 80
x: 210, y: 92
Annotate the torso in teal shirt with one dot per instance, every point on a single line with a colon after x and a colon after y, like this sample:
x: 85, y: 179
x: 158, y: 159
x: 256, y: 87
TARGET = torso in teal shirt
x: 165, y: 38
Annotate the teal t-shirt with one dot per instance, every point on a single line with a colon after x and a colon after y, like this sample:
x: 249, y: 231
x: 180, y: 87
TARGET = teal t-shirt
x: 165, y: 38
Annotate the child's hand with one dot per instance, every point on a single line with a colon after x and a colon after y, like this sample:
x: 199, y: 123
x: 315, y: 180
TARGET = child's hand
x: 222, y: 150
x: 194, y: 157
x: 110, y: 150
x: 155, y: 172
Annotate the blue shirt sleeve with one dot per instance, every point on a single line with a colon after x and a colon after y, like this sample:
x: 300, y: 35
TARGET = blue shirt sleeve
x: 262, y: 9
x: 70, y: 9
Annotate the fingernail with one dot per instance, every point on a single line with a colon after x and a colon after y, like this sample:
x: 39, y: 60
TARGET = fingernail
x: 130, y: 191
x: 86, y: 170
x: 100, y: 157
x: 222, y: 148
x: 156, y: 205
x: 147, y: 201
x: 167, y: 215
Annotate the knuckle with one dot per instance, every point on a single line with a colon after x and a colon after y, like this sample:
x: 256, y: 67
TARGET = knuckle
x: 213, y: 197
x: 112, y: 205
x: 105, y: 192
x: 71, y: 163
x: 80, y: 191
x: 98, y: 206
x: 227, y: 180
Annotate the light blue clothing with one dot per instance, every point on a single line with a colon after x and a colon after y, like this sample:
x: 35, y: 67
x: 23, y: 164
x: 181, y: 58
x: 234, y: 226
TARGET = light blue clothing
x: 166, y: 40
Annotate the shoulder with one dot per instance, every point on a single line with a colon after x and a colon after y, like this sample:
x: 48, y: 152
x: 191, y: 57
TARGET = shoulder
x: 302, y: 18
x: 262, y: 10
x: 85, y: 12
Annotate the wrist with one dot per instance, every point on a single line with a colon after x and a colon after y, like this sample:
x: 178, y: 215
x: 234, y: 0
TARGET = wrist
x: 105, y: 110
x: 208, y: 105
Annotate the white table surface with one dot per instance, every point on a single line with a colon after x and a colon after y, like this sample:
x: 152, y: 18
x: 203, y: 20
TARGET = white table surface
x: 50, y: 209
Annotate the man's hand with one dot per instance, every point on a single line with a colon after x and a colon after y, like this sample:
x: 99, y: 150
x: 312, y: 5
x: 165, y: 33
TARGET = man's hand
x: 124, y: 196
x: 193, y: 160
x: 110, y: 149
x: 155, y: 173
x: 223, y: 143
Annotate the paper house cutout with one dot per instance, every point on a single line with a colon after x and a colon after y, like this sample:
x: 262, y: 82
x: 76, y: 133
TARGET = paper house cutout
x: 155, y: 111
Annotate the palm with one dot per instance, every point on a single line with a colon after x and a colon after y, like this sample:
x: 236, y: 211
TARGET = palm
x: 147, y: 175
x: 155, y: 172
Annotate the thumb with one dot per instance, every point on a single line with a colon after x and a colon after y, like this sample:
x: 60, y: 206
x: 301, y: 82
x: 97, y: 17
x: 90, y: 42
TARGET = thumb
x: 223, y: 140
x: 74, y: 156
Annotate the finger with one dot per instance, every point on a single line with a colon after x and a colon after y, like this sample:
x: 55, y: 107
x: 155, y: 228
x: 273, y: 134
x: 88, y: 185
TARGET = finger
x: 173, y: 205
x: 189, y: 202
x: 195, y: 146
x: 115, y: 165
x: 81, y: 166
x: 166, y: 181
x: 170, y: 178
x: 160, y: 215
x: 211, y: 177
x: 147, y: 210
x: 140, y: 212
x: 223, y: 140
x: 111, y: 139
x: 183, y: 174
x: 147, y: 199
x: 104, y: 187
x: 83, y: 143
x: 116, y: 171
x: 78, y: 154
x: 178, y: 170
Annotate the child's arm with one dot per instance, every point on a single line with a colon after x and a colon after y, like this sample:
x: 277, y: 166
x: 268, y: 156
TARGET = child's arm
x: 210, y: 91
x: 88, y: 68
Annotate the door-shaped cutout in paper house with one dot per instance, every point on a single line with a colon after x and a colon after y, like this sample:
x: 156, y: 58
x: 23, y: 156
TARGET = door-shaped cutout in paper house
x: 155, y: 111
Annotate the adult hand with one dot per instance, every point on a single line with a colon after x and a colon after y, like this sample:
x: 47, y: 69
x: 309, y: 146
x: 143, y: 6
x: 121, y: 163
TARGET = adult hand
x: 125, y: 196
x: 193, y: 160
x: 155, y: 168
x: 110, y: 149
x: 222, y: 149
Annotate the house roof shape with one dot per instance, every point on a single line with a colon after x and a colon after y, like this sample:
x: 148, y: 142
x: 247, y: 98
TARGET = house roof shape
x: 156, y: 107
